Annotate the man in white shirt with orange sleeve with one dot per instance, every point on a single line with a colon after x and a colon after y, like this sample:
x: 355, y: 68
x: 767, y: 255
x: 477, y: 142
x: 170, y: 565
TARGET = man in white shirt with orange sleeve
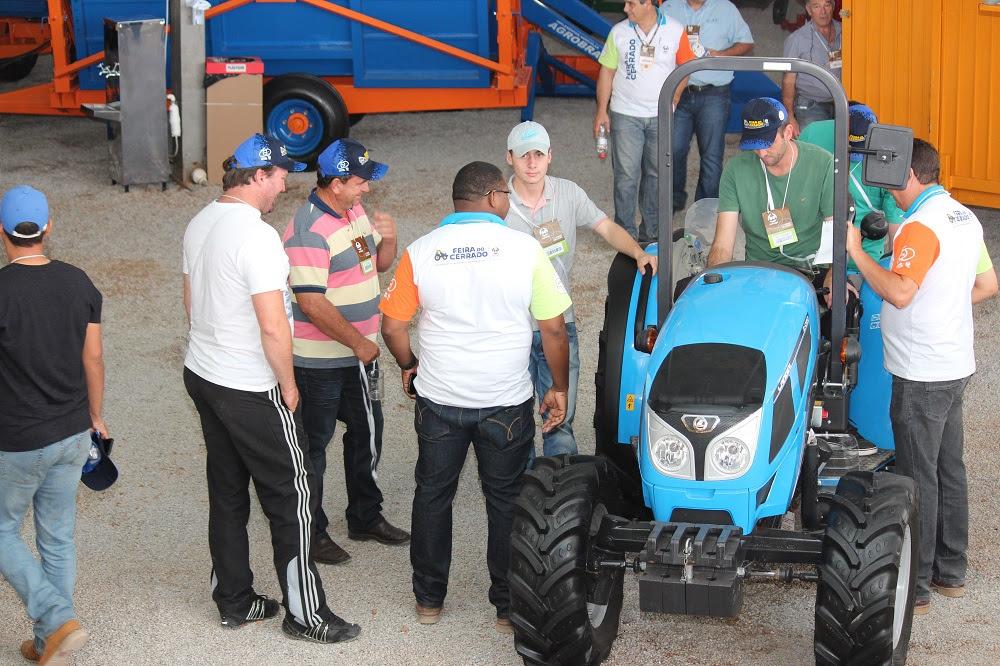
x: 939, y: 270
x: 479, y: 286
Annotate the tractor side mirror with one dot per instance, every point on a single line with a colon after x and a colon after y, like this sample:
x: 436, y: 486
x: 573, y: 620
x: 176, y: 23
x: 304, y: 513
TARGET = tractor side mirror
x: 887, y: 151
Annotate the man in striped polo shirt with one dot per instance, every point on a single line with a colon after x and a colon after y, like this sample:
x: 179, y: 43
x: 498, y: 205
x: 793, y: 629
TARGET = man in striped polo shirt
x: 336, y: 254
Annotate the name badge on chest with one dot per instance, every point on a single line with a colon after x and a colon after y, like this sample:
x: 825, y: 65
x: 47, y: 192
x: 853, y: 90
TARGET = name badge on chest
x: 694, y: 39
x: 779, y: 227
x: 364, y: 254
x: 647, y: 55
x: 836, y: 59
x: 551, y: 237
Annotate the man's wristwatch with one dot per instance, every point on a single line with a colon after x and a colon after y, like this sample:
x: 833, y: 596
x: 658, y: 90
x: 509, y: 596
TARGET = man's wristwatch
x: 409, y: 366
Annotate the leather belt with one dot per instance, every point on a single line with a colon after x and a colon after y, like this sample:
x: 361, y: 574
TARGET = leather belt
x: 694, y: 88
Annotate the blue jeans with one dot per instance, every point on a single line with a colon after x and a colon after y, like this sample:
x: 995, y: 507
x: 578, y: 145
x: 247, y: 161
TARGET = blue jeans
x: 703, y: 113
x: 501, y: 438
x: 927, y: 426
x: 560, y: 440
x: 47, y: 479
x: 633, y: 158
x: 341, y: 394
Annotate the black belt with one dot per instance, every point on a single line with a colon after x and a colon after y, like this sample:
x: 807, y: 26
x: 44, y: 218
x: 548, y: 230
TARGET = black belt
x: 694, y: 88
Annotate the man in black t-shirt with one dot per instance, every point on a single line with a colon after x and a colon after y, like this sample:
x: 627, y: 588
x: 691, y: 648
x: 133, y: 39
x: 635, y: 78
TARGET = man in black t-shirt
x: 51, y: 390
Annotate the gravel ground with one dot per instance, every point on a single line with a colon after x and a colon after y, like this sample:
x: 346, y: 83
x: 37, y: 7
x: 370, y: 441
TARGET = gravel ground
x: 143, y: 558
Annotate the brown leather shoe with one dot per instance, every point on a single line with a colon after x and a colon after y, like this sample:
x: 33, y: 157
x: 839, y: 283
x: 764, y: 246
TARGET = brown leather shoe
x: 63, y: 643
x: 326, y: 551
x: 948, y: 590
x: 383, y: 532
x: 428, y: 615
x: 504, y: 625
x: 28, y: 650
x: 921, y: 606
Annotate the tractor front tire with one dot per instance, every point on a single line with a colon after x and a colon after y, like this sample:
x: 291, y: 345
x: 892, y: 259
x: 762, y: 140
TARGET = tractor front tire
x: 563, y: 613
x: 864, y: 599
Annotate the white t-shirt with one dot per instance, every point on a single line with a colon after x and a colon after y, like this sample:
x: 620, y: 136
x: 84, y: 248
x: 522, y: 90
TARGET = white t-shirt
x: 479, y: 286
x: 642, y: 63
x: 230, y: 254
x: 931, y: 339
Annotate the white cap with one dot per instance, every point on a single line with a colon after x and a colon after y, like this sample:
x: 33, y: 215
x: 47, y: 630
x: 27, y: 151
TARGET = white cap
x: 526, y: 137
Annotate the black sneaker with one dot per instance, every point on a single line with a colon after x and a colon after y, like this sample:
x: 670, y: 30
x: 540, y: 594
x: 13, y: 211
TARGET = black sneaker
x: 334, y: 630
x: 326, y: 551
x: 383, y: 532
x: 262, y: 608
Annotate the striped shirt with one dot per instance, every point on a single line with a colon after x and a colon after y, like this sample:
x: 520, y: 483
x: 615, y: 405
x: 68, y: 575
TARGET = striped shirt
x: 324, y: 259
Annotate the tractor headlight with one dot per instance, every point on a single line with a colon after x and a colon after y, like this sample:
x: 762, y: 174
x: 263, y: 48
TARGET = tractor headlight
x: 669, y: 450
x: 730, y: 456
x: 731, y: 453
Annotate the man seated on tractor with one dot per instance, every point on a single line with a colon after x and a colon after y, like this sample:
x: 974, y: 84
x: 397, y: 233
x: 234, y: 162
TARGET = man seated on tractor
x: 783, y: 224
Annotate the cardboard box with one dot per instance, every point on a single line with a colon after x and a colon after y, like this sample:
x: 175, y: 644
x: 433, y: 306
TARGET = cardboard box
x: 234, y: 111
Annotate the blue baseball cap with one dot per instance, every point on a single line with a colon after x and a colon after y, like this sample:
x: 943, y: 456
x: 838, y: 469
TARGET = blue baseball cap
x: 346, y: 157
x: 99, y: 473
x: 762, y: 117
x: 264, y: 151
x: 24, y: 204
x: 861, y: 118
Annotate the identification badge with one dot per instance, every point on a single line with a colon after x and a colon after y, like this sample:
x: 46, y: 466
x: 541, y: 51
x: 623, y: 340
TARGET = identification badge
x: 551, y: 237
x: 779, y: 228
x: 647, y: 53
x: 364, y: 254
x: 694, y: 39
x: 836, y: 59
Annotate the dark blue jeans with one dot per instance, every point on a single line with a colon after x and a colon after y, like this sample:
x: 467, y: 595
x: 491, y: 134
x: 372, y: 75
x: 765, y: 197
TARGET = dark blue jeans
x: 927, y: 426
x: 501, y: 438
x: 341, y: 394
x: 703, y: 114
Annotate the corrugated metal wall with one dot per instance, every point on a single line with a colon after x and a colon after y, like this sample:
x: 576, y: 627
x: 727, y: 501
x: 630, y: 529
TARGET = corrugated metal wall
x: 933, y: 65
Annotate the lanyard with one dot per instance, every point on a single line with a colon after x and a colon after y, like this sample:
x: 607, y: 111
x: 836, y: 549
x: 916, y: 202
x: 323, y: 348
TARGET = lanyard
x: 517, y: 209
x: 651, y: 37
x: 823, y: 42
x: 767, y: 183
x: 861, y: 190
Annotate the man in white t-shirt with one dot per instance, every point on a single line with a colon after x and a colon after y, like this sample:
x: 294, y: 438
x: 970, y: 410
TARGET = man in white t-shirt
x: 939, y: 269
x: 238, y: 372
x: 638, y: 56
x: 480, y: 286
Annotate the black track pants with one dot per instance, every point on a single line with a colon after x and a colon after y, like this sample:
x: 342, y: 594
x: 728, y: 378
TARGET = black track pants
x: 251, y: 435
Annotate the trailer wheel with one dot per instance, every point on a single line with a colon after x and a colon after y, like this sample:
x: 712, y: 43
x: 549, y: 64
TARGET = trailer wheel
x: 305, y: 113
x: 563, y: 613
x: 864, y: 599
x: 18, y: 68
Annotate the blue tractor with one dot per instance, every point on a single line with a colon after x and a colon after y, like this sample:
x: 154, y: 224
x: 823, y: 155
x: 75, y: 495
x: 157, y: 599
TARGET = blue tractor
x: 719, y: 415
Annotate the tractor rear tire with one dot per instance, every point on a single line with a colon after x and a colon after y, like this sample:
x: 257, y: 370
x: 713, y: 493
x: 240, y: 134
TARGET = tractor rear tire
x: 563, y: 613
x: 864, y: 599
x: 17, y: 68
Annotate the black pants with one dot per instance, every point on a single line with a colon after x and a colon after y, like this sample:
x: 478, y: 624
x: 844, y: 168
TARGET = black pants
x: 341, y: 394
x: 502, y: 438
x: 248, y: 436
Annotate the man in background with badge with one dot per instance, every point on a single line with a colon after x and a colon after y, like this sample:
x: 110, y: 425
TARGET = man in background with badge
x: 713, y: 28
x: 551, y: 209
x: 818, y: 41
x: 780, y: 191
x: 336, y: 254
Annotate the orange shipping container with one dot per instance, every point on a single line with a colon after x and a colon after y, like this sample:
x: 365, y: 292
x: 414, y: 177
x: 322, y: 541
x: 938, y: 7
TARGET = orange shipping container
x: 933, y: 65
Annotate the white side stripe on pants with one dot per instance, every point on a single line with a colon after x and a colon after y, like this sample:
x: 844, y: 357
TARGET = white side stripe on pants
x: 366, y: 399
x: 306, y: 581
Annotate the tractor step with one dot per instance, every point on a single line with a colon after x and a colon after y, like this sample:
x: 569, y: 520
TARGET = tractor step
x: 837, y: 465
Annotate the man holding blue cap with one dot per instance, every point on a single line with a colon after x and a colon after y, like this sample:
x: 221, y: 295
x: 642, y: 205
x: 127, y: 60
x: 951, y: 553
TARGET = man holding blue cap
x: 779, y: 189
x: 238, y: 372
x: 336, y: 253
x: 52, y: 392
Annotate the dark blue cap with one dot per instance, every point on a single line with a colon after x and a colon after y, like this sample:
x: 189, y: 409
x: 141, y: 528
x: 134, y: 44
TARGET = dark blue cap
x: 861, y: 118
x: 346, y: 157
x: 99, y: 473
x: 264, y: 151
x: 762, y: 117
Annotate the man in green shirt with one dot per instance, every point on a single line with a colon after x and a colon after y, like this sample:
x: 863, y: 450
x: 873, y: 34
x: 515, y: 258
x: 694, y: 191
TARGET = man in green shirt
x: 779, y: 190
x: 866, y: 197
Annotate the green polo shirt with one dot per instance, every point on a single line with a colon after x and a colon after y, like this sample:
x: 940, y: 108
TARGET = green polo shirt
x: 821, y: 133
x: 809, y: 200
